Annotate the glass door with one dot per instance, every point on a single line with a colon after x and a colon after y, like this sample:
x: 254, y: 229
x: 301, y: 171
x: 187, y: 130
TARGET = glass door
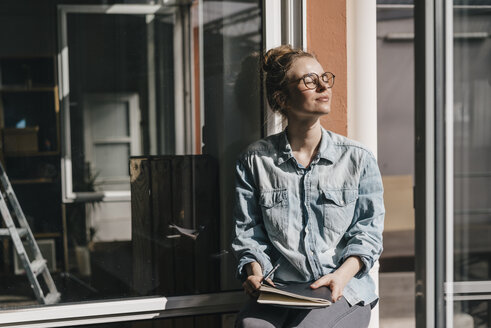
x: 472, y: 164
x: 453, y: 163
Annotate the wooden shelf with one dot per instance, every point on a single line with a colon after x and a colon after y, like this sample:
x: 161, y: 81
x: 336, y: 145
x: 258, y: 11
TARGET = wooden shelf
x: 31, y: 181
x: 23, y: 88
x: 39, y: 235
x: 32, y: 153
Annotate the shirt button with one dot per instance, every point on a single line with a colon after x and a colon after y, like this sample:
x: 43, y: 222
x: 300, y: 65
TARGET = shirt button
x: 306, y: 230
x: 311, y: 253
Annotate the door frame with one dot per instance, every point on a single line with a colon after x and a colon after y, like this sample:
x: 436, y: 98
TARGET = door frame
x: 182, y: 98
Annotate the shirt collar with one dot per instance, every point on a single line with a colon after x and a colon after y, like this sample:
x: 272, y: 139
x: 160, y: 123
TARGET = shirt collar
x: 326, y: 149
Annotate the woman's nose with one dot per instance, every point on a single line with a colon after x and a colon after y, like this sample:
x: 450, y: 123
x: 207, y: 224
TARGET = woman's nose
x: 321, y: 85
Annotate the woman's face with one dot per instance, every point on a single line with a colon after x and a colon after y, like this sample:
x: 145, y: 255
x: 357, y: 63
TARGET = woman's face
x: 302, y: 102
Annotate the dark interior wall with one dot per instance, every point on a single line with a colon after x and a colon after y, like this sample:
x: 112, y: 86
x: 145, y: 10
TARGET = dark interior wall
x: 107, y: 54
x: 164, y: 70
x: 27, y: 28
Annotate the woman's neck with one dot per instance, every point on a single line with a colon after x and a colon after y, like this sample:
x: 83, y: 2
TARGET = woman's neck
x: 304, y: 140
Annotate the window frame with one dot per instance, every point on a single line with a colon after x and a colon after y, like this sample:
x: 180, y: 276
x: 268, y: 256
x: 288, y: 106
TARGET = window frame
x: 433, y: 192
x: 182, y: 98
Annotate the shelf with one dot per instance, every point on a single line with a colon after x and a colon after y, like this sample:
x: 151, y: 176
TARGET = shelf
x: 23, y: 88
x: 31, y: 181
x: 39, y: 235
x: 32, y: 153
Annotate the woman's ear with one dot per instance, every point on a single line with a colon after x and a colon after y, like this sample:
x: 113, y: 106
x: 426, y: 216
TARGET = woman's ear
x: 280, y: 99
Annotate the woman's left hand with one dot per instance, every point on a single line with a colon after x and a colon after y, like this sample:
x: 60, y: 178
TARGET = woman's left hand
x: 335, y: 281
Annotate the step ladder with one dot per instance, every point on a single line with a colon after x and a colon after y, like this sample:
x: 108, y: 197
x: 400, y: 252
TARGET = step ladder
x: 37, y: 268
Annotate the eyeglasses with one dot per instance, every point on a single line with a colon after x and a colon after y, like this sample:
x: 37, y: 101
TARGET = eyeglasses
x: 312, y: 80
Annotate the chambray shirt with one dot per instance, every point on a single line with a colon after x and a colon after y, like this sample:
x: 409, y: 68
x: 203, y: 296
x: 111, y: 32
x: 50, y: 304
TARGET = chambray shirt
x: 309, y: 219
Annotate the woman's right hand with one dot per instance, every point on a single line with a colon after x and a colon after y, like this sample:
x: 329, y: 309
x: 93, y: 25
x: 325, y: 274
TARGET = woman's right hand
x: 254, y: 278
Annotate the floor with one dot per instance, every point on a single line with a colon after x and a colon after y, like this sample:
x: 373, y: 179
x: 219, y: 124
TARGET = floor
x: 396, y: 299
x: 397, y: 304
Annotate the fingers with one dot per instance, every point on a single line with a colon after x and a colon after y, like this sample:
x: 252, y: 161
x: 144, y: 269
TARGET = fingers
x: 269, y: 281
x: 251, y: 285
x: 323, y: 281
x: 329, y: 281
x: 249, y: 290
x: 336, y: 293
x: 255, y: 281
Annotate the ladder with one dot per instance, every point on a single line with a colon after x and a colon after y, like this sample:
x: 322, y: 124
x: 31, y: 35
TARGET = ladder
x: 36, y: 268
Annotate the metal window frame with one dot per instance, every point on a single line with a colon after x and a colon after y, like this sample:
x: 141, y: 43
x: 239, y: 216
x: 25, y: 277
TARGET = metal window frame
x: 143, y: 308
x: 272, y: 37
x: 285, y: 22
x: 424, y: 160
x: 434, y: 163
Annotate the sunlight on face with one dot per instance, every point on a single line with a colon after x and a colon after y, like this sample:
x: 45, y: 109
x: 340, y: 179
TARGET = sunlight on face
x: 301, y: 102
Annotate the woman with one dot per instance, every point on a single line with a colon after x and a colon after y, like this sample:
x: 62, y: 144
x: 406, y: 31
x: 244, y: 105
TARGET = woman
x: 309, y: 200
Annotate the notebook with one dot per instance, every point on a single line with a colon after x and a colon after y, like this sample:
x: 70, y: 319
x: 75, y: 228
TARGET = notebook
x: 295, y: 296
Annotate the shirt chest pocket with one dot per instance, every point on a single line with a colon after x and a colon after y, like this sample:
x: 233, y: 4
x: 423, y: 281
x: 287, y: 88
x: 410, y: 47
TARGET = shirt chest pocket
x: 338, y: 208
x: 274, y: 206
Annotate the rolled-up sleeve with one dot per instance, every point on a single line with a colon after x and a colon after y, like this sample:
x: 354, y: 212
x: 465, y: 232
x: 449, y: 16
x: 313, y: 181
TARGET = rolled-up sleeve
x: 250, y: 242
x: 364, y: 236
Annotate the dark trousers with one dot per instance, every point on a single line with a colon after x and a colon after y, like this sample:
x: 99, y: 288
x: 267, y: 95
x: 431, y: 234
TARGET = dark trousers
x: 338, y: 315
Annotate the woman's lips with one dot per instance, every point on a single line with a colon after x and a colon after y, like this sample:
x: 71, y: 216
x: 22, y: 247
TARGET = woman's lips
x: 323, y: 99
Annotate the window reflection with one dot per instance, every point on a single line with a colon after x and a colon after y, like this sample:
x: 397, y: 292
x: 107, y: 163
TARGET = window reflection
x: 472, y: 159
x: 179, y: 87
x: 395, y: 119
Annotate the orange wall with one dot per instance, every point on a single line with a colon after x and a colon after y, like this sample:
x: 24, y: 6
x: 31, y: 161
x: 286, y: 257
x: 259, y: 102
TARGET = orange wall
x: 326, y: 38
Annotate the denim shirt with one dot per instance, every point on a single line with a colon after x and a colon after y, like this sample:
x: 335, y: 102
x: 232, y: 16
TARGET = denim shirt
x: 309, y: 219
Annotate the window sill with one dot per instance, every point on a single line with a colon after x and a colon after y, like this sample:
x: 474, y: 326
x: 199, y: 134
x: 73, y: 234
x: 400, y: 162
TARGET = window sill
x: 122, y: 310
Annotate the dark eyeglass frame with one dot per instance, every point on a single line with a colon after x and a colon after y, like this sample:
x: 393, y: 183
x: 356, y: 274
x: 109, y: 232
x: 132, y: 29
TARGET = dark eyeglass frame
x: 326, y: 77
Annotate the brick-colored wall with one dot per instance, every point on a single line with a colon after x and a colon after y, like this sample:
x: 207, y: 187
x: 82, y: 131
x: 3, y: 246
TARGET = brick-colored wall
x: 326, y: 38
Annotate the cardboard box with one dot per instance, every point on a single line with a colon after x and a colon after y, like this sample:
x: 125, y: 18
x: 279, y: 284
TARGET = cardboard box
x: 48, y: 250
x: 20, y: 140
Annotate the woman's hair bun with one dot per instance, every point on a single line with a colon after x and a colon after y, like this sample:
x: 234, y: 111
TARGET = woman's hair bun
x: 276, y: 58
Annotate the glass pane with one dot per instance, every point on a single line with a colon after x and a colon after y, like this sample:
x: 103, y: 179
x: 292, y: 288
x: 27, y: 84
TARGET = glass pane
x: 111, y: 160
x: 395, y: 133
x: 472, y: 142
x: 472, y: 314
x: 472, y: 159
x: 177, y: 89
x: 109, y: 120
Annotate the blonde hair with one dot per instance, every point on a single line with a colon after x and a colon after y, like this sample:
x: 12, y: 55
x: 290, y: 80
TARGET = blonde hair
x: 275, y: 65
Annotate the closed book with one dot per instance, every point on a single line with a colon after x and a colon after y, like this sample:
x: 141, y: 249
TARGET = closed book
x: 295, y: 296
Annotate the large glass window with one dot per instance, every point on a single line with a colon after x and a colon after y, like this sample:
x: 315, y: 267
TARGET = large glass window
x: 452, y: 163
x: 472, y: 161
x: 395, y: 131
x: 120, y: 126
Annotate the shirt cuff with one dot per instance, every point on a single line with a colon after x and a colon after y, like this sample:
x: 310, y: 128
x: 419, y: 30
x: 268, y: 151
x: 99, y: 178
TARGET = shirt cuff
x: 367, y: 260
x: 265, y: 264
